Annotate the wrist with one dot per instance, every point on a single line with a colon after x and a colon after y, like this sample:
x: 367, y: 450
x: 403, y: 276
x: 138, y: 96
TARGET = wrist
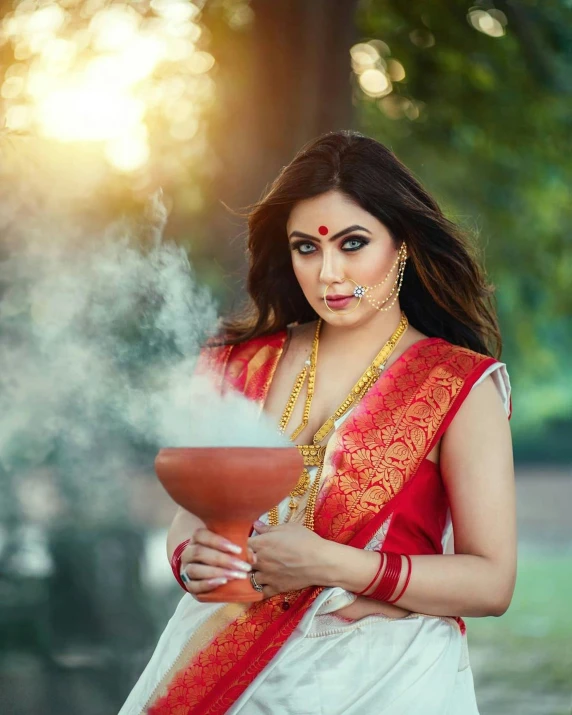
x: 330, y: 572
x: 348, y: 567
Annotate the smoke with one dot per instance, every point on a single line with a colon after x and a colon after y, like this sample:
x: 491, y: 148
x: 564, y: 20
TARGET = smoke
x: 99, y: 336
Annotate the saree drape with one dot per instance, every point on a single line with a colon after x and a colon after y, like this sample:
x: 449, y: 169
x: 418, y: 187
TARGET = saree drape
x: 375, y: 469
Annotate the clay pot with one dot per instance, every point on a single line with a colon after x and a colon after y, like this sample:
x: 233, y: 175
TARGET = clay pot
x: 229, y: 488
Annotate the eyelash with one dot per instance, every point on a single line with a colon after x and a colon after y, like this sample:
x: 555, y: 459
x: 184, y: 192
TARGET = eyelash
x: 363, y: 242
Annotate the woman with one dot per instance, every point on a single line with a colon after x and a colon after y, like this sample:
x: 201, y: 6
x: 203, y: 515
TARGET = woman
x: 373, y: 344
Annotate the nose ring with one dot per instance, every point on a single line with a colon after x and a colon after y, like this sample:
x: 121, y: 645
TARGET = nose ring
x: 359, y: 292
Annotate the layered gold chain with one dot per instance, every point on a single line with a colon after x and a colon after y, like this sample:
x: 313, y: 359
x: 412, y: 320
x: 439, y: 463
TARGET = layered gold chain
x: 311, y: 364
x: 313, y: 454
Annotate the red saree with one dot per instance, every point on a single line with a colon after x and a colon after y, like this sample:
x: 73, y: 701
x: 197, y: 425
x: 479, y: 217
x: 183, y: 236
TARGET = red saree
x: 377, y: 468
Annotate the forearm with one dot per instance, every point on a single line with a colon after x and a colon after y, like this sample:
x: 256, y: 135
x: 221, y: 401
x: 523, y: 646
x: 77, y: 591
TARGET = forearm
x: 440, y: 585
x: 182, y: 527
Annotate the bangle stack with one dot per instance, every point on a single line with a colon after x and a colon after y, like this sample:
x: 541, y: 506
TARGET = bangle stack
x: 374, y: 579
x: 176, y: 563
x: 390, y: 578
x: 400, y: 594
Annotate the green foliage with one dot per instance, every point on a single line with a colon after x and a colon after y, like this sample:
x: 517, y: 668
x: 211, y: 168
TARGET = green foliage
x: 492, y: 143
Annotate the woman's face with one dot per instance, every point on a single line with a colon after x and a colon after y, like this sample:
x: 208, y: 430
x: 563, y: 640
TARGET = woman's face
x: 335, y: 242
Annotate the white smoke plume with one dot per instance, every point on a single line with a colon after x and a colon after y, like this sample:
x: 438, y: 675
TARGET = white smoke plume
x: 99, y: 335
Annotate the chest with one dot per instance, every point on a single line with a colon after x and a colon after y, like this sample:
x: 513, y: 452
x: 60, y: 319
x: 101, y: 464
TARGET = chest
x: 333, y: 383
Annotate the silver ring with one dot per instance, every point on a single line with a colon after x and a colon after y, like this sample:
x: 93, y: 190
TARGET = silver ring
x: 255, y: 585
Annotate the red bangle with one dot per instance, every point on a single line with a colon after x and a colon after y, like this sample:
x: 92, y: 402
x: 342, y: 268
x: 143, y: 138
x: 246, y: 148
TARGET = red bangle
x: 393, y: 600
x: 176, y: 562
x: 390, y: 578
x: 374, y: 579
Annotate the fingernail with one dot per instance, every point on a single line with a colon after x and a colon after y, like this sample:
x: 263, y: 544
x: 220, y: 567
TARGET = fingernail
x: 184, y: 577
x: 236, y: 574
x: 217, y: 581
x: 242, y: 565
x: 233, y: 548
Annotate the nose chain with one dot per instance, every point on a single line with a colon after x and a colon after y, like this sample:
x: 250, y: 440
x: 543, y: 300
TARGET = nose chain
x: 401, y: 255
x: 380, y: 305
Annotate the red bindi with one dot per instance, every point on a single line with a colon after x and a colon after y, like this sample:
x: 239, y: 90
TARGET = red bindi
x: 323, y: 230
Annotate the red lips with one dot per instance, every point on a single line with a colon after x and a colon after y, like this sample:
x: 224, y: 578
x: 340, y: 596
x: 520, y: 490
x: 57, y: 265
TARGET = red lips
x: 337, y: 297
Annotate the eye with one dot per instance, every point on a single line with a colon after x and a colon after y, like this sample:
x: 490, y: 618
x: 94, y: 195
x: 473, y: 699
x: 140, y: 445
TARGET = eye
x: 302, y: 248
x: 359, y: 241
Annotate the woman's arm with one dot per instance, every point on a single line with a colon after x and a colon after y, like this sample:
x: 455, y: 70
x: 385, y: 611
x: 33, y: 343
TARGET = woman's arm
x: 477, y: 469
x: 182, y: 527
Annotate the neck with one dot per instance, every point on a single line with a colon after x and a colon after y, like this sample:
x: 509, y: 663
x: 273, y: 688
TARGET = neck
x: 360, y: 338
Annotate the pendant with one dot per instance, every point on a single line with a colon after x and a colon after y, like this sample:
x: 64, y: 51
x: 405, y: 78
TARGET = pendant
x: 312, y: 454
x: 302, y: 484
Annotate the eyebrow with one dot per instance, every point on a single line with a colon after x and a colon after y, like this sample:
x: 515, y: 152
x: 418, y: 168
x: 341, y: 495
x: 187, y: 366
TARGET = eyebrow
x: 299, y: 234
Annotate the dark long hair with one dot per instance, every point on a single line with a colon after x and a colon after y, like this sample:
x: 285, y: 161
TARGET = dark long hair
x: 444, y: 292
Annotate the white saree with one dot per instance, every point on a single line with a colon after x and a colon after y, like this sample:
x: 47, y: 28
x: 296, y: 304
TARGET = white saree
x: 415, y: 665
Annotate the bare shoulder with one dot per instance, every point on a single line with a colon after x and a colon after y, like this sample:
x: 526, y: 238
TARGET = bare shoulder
x: 300, y: 341
x: 415, y: 335
x: 299, y: 331
x: 410, y: 338
x: 483, y: 402
x: 481, y: 420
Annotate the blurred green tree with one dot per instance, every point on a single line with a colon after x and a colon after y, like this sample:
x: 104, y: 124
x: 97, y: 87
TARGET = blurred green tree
x: 479, y: 107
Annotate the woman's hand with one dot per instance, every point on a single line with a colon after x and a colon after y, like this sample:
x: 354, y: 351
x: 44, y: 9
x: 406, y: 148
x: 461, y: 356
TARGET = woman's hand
x: 289, y: 557
x: 210, y: 561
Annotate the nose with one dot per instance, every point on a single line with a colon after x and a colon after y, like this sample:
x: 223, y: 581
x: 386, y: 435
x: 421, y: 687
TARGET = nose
x: 332, y: 269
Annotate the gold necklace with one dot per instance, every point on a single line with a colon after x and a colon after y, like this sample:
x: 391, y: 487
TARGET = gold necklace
x: 313, y: 454
x: 310, y: 363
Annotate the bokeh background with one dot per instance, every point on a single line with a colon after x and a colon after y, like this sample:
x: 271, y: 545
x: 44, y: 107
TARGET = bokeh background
x: 110, y: 109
